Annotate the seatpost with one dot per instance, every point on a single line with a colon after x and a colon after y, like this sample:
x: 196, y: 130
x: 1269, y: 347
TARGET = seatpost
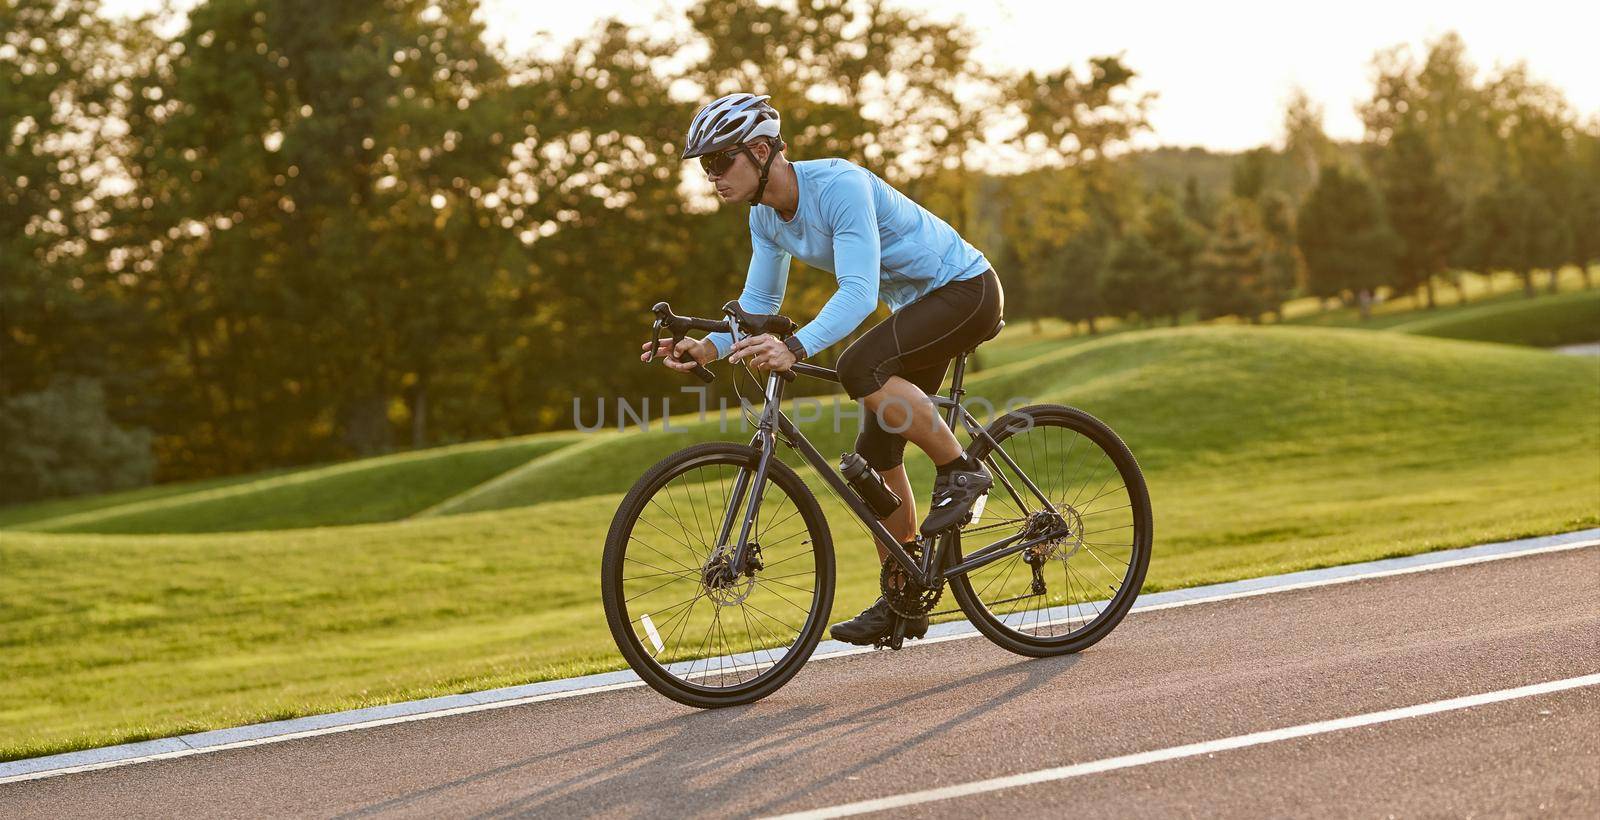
x: 956, y: 391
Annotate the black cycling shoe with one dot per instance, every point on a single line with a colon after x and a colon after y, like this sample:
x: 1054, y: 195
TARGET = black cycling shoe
x: 874, y: 624
x: 953, y: 497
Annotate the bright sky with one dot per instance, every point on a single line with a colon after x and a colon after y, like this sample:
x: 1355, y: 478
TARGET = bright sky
x: 1222, y: 69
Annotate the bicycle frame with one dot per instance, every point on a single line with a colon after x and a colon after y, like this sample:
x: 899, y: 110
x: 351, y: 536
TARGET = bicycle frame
x: 774, y: 423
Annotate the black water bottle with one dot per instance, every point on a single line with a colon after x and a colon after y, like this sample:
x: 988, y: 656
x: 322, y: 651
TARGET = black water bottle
x: 868, y: 484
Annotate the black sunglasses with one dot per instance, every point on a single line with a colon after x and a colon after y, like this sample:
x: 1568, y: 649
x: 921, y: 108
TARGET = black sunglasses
x: 718, y: 164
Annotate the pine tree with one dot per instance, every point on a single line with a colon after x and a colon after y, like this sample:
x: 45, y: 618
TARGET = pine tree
x: 1425, y: 216
x: 1196, y: 205
x: 1178, y: 239
x: 1281, y: 266
x: 1344, y: 237
x: 1231, y: 268
x: 1138, y: 280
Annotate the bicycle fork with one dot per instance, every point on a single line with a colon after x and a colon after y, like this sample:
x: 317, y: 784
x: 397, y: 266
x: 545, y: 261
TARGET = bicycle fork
x: 766, y: 442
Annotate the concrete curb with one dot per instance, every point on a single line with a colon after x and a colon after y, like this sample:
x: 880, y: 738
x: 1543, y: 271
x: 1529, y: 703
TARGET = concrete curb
x: 428, y: 708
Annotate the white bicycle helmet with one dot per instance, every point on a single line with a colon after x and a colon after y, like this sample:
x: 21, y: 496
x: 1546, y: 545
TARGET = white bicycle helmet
x: 729, y: 121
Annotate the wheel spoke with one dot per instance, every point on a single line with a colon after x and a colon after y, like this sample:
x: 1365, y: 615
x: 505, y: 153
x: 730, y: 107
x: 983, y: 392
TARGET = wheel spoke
x: 1083, y: 479
x: 669, y: 598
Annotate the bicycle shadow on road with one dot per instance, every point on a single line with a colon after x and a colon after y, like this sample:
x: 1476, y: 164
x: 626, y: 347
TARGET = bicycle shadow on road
x: 706, y: 760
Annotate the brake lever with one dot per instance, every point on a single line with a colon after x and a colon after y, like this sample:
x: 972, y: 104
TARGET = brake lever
x: 731, y: 310
x: 662, y: 311
x: 655, y: 341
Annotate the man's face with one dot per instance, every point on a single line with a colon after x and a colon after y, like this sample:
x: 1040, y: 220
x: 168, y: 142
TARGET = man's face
x: 738, y: 183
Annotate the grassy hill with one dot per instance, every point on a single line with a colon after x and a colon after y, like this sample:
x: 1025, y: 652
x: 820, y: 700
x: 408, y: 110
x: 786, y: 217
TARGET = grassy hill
x: 1266, y: 450
x: 357, y: 492
x: 1549, y: 321
x: 1491, y: 292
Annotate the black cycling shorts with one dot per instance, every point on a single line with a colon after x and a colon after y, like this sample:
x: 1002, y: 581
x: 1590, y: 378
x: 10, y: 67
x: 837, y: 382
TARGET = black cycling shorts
x: 917, y: 343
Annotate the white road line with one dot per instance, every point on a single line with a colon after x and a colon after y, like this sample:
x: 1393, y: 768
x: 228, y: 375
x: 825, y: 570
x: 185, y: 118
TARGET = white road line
x: 1190, y: 750
x: 1458, y: 562
x: 74, y: 762
x: 968, y: 631
x: 327, y: 730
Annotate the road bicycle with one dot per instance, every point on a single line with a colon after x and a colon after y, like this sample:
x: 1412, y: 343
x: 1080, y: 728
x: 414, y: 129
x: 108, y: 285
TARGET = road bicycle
x: 718, y: 574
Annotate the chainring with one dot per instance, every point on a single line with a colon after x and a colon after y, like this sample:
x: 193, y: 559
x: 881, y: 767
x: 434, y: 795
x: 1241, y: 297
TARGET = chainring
x: 907, y: 598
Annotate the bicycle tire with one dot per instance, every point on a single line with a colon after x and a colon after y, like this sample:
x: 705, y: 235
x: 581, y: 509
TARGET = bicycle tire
x: 614, y: 587
x: 995, y: 626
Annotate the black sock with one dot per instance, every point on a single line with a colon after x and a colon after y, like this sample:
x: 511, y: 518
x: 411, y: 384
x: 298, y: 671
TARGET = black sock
x: 960, y: 462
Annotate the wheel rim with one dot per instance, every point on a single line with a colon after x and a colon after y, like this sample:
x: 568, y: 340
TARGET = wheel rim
x: 691, y: 618
x: 1071, y: 585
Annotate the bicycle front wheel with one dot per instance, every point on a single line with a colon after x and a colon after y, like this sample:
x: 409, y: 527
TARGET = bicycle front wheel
x: 1068, y: 592
x: 692, y: 628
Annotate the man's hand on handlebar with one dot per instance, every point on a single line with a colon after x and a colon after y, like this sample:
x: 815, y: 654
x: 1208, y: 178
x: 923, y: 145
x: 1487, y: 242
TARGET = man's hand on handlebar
x: 764, y: 352
x: 685, y: 355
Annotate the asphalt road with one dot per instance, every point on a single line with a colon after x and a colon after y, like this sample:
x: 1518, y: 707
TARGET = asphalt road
x: 871, y: 726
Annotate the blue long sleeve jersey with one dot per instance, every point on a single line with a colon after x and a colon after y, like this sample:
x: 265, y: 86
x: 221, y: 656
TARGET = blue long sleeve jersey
x: 873, y: 239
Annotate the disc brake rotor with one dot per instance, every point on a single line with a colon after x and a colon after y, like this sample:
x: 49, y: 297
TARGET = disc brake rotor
x: 1062, y: 547
x: 721, y: 584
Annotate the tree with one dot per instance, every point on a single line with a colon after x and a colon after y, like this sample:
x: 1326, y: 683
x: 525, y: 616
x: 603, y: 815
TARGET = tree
x: 1179, y: 240
x: 1039, y: 213
x: 1306, y: 146
x: 1281, y: 267
x: 344, y: 228
x: 1439, y: 97
x: 1584, y: 217
x: 1344, y: 237
x: 1196, y: 205
x: 1424, y: 214
x: 1230, y: 269
x: 868, y: 81
x: 60, y: 441
x: 1077, y: 119
x: 1537, y: 130
x: 318, y: 213
x: 1250, y: 172
x: 58, y: 68
x: 1513, y: 228
x: 1139, y: 280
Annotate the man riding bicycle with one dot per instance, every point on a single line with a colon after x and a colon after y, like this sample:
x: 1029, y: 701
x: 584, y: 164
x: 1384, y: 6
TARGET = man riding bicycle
x: 943, y: 295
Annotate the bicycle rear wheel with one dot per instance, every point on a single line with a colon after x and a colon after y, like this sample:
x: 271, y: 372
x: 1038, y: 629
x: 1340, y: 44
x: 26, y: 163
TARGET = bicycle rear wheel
x: 1065, y: 594
x: 689, y: 628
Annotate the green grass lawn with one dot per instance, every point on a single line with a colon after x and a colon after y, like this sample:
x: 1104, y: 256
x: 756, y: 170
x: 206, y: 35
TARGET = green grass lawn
x: 23, y: 515
x: 369, y: 490
x: 1266, y: 450
x: 1548, y: 321
x: 1481, y: 290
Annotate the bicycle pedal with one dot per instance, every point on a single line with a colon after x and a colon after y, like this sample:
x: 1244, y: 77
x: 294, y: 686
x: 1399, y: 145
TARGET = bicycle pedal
x: 975, y: 514
x: 888, y: 642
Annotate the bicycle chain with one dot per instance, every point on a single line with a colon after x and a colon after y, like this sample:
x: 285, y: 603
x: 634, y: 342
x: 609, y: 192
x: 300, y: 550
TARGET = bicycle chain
x: 907, y: 598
